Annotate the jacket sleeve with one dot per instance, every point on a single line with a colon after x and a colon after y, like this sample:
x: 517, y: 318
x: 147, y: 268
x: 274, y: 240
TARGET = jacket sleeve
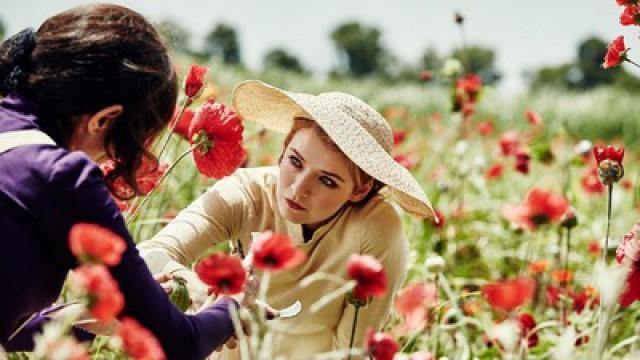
x: 80, y: 183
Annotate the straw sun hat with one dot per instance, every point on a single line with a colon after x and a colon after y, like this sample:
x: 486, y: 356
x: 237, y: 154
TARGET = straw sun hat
x: 362, y: 134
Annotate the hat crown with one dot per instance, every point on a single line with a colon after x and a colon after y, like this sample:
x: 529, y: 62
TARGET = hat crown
x: 371, y: 120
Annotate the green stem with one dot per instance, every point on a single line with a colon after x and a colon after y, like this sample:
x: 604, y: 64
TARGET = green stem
x: 632, y: 62
x: 133, y: 214
x: 167, y: 138
x: 565, y: 267
x: 606, y: 239
x: 353, y: 330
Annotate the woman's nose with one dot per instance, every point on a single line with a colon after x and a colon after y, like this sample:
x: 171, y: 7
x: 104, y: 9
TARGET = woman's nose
x: 301, y: 187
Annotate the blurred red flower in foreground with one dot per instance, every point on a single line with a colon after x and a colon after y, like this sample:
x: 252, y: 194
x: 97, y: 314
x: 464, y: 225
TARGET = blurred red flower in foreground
x: 616, y: 53
x: 369, y: 275
x: 218, y: 132
x: 95, y: 282
x: 94, y: 243
x: 381, y: 346
x: 194, y: 80
x: 138, y: 342
x: 223, y: 273
x: 510, y: 294
x: 275, y: 252
x: 539, y: 207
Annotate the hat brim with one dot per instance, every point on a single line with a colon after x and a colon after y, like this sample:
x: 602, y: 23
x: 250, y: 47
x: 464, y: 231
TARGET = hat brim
x: 276, y: 109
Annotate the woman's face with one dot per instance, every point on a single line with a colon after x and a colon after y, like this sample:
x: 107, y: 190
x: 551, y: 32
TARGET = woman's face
x: 315, y: 181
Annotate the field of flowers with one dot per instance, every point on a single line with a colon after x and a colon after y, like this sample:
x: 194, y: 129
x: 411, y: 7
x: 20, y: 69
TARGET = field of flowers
x: 534, y: 255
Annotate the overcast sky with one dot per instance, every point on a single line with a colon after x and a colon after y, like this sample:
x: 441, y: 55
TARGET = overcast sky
x: 525, y: 34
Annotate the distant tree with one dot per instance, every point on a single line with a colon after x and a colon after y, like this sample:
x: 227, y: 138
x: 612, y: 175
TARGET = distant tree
x: 479, y: 60
x: 359, y: 49
x: 591, y: 53
x: 585, y: 72
x: 222, y: 41
x: 176, y: 35
x: 430, y: 60
x: 282, y: 59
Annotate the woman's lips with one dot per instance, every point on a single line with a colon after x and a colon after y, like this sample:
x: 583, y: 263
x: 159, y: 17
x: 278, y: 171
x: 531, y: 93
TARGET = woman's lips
x: 293, y: 205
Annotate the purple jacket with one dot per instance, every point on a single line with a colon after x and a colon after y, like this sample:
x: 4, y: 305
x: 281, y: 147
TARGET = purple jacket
x: 44, y: 190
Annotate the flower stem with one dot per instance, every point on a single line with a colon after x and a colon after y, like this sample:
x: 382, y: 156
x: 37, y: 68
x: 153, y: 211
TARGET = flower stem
x: 133, y: 214
x: 167, y: 138
x: 353, y: 329
x: 605, y: 248
x: 565, y: 267
x: 632, y: 63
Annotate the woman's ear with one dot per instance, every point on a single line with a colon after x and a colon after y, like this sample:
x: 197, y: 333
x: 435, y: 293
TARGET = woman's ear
x: 361, y: 192
x: 99, y: 122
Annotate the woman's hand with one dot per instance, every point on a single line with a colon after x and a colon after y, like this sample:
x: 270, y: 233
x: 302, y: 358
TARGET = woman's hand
x: 198, y: 292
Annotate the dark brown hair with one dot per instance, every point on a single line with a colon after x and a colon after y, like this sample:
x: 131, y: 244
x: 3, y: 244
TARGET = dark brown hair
x: 360, y: 177
x: 85, y: 59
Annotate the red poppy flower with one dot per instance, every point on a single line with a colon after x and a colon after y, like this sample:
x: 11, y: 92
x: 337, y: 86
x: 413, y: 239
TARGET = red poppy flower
x: 533, y: 118
x: 510, y: 294
x: 195, y: 80
x: 602, y: 153
x: 616, y: 53
x: 218, y: 132
x: 539, y: 267
x: 369, y: 275
x: 528, y: 323
x: 223, y: 273
x: 95, y: 281
x: 539, y: 207
x: 553, y: 295
x: 594, y: 248
x: 399, y: 136
x: 509, y: 143
x: 438, y: 221
x: 621, y: 251
x: 591, y: 183
x: 94, y: 243
x: 381, y: 346
x: 562, y: 276
x: 182, y: 127
x: 494, y: 172
x: 275, y: 252
x: 627, y: 2
x: 470, y: 85
x: 413, y: 303
x: 426, y: 75
x: 630, y: 15
x: 138, y: 342
x: 148, y: 174
x: 631, y: 291
x: 627, y: 184
x: 485, y: 127
x: 409, y: 161
x: 523, y: 161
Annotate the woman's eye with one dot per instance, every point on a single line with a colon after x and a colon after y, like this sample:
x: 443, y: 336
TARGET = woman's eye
x: 295, y: 161
x: 327, y: 181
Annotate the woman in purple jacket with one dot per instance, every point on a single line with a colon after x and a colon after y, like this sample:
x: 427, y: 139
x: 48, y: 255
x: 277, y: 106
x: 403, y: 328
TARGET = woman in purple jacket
x: 91, y: 83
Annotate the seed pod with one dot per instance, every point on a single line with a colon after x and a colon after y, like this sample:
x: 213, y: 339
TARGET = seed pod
x: 179, y: 293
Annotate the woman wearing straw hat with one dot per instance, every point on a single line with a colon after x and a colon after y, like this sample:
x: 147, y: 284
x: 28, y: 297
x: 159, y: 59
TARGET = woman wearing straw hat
x: 324, y: 195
